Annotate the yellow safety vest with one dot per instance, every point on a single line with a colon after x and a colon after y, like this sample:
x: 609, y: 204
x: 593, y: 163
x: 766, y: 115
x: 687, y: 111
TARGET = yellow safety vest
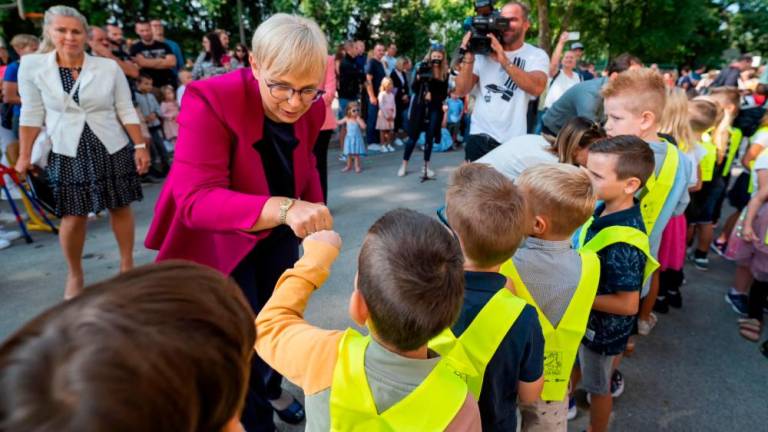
x: 619, y: 234
x: 562, y: 343
x: 430, y: 407
x: 475, y: 347
x: 657, y: 189
x: 709, y: 160
x: 733, y: 148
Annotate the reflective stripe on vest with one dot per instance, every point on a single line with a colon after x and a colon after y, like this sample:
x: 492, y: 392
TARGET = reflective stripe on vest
x: 657, y: 189
x: 562, y: 343
x: 733, y: 148
x: 619, y: 234
x: 481, y: 339
x: 709, y: 160
x: 430, y: 407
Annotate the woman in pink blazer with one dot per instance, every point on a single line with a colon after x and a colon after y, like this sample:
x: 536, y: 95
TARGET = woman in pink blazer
x: 244, y: 187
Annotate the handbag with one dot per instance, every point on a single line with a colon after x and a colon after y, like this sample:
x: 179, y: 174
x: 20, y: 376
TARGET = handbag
x: 43, y: 144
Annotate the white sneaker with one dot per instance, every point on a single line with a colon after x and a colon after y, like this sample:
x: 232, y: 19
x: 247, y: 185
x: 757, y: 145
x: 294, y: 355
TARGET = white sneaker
x: 375, y: 147
x: 9, y: 235
x: 401, y: 172
x: 4, y: 244
x: 399, y: 142
x: 428, y: 173
x: 391, y: 149
x: 644, y: 327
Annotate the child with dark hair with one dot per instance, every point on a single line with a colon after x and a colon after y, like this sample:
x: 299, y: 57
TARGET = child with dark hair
x: 409, y: 287
x: 153, y: 115
x: 619, y: 167
x: 163, y: 348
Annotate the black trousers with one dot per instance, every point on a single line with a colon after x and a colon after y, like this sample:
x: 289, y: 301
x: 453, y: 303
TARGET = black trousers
x: 478, y: 145
x: 757, y: 299
x: 321, y: 158
x: 257, y: 275
x: 432, y: 132
x: 157, y: 150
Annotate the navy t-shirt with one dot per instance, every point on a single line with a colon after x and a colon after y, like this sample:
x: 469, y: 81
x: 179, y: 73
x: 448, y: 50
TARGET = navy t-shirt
x: 621, y: 269
x: 519, y: 357
x: 375, y: 68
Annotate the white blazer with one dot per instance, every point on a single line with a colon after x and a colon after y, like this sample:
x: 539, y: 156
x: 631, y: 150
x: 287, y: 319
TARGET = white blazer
x: 104, y: 97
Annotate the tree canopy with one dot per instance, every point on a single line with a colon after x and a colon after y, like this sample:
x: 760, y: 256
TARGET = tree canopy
x: 671, y: 32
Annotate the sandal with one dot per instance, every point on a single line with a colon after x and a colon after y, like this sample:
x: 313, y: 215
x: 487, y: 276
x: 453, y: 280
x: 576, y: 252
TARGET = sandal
x: 750, y: 329
x: 293, y: 414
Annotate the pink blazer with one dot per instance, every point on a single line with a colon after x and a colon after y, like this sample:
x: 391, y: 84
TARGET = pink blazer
x: 217, y: 188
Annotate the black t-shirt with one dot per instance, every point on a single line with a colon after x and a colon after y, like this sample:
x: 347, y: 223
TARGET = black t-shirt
x: 349, y: 79
x: 519, y: 356
x: 276, y: 149
x: 375, y: 68
x: 155, y: 50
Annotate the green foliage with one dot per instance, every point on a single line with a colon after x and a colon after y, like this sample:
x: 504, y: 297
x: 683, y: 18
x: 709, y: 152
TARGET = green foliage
x: 661, y: 31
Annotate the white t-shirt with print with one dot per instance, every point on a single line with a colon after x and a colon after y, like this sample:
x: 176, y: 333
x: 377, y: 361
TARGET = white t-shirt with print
x: 501, y: 108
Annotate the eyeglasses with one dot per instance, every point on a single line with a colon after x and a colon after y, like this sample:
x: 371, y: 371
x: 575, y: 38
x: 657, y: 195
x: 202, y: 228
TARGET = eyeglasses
x: 283, y: 92
x: 354, y: 111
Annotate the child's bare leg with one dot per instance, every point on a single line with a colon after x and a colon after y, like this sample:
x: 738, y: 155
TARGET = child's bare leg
x: 743, y: 279
x: 357, y: 164
x: 600, y: 412
x: 646, y: 306
x: 349, y: 163
x: 706, y: 234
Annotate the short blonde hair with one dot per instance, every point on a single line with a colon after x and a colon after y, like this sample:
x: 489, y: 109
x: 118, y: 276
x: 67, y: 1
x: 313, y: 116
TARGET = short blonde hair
x: 560, y: 192
x: 290, y: 44
x: 21, y: 41
x: 644, y: 90
x: 386, y: 84
x: 675, y: 121
x: 487, y: 213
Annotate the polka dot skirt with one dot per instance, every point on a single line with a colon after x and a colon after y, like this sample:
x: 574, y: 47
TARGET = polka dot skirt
x: 94, y: 180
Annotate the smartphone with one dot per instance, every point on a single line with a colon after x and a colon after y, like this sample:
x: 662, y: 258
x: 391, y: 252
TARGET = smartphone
x: 574, y: 36
x: 756, y: 61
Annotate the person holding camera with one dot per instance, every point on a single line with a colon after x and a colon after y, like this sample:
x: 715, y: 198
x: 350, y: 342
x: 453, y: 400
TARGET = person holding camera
x: 508, y: 77
x: 430, y: 89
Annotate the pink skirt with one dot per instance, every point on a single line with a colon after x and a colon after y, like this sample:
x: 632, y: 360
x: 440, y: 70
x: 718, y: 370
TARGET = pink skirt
x: 672, y: 249
x: 748, y: 254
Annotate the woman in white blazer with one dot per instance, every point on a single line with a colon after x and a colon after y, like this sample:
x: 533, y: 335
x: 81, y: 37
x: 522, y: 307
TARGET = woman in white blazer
x: 92, y: 166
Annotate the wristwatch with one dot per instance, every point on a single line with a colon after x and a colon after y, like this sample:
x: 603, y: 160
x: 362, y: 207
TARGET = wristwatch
x: 284, y: 206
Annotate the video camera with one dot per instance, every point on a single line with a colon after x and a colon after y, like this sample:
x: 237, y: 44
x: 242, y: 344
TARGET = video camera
x: 424, y: 70
x: 487, y: 21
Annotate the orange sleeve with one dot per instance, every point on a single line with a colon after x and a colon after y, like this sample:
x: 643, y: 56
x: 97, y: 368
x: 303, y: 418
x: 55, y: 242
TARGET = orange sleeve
x: 301, y: 352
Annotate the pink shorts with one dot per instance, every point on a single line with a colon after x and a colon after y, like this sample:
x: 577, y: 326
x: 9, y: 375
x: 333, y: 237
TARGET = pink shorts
x: 749, y: 254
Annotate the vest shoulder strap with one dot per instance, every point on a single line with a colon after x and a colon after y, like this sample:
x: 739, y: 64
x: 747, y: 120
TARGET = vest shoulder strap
x: 486, y: 332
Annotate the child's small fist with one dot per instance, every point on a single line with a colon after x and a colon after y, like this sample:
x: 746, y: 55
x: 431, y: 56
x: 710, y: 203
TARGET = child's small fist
x: 326, y: 236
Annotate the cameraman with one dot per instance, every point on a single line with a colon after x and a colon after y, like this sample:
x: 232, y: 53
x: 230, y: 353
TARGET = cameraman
x: 507, y: 79
x: 430, y: 89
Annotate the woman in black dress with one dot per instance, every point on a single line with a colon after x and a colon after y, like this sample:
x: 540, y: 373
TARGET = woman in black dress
x: 85, y: 104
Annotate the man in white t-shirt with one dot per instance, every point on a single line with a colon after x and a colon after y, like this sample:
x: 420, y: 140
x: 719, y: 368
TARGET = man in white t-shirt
x: 505, y: 81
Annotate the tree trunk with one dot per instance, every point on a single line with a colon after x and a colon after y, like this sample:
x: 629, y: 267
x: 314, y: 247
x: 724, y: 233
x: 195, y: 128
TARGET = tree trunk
x: 241, y: 26
x: 545, y: 34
